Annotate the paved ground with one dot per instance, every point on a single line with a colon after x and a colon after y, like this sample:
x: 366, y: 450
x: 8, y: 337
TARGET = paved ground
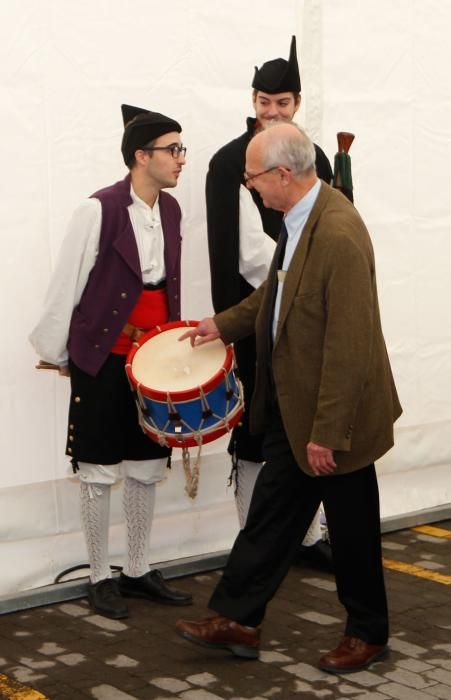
x: 63, y: 651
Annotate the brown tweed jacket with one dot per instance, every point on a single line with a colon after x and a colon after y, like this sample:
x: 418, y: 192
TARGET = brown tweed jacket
x: 332, y: 373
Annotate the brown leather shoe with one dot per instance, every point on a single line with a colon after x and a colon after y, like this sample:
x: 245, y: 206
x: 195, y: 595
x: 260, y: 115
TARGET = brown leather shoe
x: 221, y: 633
x: 352, y: 654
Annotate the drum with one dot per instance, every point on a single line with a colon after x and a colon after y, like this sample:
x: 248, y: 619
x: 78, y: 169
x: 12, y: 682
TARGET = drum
x: 186, y: 396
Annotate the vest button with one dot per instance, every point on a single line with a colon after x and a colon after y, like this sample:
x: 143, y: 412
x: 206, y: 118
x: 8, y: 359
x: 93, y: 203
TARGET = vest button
x: 72, y: 426
x: 77, y: 399
x: 115, y: 312
x: 71, y: 438
x: 123, y: 295
x: 96, y: 346
x: 69, y: 449
x: 106, y: 330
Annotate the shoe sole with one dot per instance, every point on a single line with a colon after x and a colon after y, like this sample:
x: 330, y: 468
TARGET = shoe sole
x: 237, y: 649
x: 353, y: 669
x: 143, y: 596
x: 110, y: 616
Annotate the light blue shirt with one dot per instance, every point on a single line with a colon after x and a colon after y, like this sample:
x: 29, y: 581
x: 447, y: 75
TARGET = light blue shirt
x: 295, y: 221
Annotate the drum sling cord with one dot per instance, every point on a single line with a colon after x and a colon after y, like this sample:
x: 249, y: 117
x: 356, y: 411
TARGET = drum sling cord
x: 191, y: 473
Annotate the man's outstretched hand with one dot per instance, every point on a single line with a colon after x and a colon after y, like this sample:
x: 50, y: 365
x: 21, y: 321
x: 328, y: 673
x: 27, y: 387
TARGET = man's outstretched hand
x: 204, y: 332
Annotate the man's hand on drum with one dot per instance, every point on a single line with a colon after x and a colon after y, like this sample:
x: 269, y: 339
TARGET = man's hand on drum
x: 204, y: 332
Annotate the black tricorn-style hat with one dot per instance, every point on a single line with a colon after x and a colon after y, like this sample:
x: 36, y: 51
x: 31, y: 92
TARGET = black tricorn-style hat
x: 142, y: 126
x: 279, y: 75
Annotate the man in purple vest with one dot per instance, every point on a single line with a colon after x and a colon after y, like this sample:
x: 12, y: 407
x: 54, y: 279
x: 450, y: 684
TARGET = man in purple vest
x: 118, y: 275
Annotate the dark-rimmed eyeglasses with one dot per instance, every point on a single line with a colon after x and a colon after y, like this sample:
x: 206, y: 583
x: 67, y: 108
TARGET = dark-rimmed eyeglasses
x: 248, y: 179
x: 175, y: 149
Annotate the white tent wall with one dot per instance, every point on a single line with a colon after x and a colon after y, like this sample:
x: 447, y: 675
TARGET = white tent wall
x: 378, y: 69
x: 385, y: 78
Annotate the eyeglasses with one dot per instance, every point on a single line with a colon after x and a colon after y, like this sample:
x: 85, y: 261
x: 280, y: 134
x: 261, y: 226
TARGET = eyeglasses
x: 249, y: 178
x: 176, y: 150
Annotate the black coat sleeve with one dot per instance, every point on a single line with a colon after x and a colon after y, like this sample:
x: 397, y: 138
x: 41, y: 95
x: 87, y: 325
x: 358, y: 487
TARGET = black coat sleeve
x: 222, y: 198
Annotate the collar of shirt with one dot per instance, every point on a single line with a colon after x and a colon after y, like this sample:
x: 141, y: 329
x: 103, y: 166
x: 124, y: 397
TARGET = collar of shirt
x: 297, y: 216
x: 150, y: 212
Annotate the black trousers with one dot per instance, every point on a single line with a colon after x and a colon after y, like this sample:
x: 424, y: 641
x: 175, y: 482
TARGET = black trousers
x: 284, y: 502
x: 103, y: 418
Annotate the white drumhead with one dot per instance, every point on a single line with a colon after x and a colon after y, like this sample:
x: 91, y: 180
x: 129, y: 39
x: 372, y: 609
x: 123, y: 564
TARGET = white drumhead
x: 164, y: 364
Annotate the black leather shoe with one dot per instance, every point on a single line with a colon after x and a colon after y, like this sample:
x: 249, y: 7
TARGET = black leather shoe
x: 152, y: 586
x: 318, y: 556
x: 105, y: 598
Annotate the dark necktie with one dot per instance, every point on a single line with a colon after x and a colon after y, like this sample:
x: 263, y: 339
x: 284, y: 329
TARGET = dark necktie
x: 273, y: 281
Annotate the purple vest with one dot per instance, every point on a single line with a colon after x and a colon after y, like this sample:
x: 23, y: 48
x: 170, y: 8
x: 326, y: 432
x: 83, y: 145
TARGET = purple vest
x: 115, y: 282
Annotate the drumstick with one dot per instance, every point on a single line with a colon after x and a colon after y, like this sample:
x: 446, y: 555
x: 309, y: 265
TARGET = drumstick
x: 42, y: 364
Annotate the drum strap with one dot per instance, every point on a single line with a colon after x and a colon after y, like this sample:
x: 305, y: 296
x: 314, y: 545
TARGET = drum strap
x: 133, y: 332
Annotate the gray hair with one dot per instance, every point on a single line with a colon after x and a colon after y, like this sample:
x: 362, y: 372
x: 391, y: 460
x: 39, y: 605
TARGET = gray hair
x: 294, y: 151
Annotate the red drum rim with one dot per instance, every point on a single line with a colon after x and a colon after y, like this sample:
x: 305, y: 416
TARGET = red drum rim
x: 183, y: 395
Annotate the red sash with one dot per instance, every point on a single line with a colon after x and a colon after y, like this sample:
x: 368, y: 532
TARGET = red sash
x: 150, y: 310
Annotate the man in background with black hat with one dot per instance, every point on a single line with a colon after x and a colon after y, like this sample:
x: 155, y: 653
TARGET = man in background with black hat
x: 118, y: 275
x: 242, y: 235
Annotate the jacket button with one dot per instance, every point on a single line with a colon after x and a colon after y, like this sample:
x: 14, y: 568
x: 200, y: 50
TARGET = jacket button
x: 106, y: 330
x: 115, y: 312
x: 71, y: 438
x: 69, y: 449
x: 176, y: 296
x: 123, y: 295
x: 174, y: 279
x: 77, y: 399
x: 71, y: 426
x: 96, y: 346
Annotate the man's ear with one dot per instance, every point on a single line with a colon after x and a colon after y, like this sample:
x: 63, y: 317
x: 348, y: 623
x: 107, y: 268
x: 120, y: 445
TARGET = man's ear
x: 286, y: 175
x: 140, y: 156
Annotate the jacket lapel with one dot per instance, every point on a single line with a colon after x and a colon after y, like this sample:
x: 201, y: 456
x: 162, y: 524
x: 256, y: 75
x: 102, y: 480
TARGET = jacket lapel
x: 125, y: 244
x: 171, y: 234
x: 296, y: 268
